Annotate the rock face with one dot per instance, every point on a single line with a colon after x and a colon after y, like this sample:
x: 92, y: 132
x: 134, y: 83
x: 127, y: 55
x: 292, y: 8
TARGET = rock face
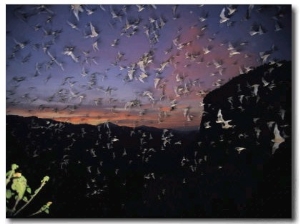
x: 237, y: 135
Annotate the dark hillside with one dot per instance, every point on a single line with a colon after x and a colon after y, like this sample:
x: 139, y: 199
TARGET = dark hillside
x: 258, y: 178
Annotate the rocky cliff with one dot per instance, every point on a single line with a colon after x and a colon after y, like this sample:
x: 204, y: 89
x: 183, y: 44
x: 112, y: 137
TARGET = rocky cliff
x: 246, y: 132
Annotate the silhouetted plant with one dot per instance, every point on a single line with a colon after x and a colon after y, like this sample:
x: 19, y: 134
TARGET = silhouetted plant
x: 19, y: 191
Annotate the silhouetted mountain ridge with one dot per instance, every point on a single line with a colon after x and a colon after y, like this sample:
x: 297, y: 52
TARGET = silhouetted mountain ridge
x: 105, y: 166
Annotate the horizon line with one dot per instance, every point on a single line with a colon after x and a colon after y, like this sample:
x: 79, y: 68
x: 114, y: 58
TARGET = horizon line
x: 177, y: 128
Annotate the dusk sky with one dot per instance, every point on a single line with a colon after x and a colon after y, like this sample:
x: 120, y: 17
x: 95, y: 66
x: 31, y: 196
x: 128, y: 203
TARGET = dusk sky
x: 134, y: 65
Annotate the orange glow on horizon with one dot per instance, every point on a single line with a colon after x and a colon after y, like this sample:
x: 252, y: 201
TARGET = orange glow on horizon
x: 163, y: 118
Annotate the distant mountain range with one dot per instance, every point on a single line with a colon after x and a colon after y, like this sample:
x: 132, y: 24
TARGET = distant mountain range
x: 227, y: 169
